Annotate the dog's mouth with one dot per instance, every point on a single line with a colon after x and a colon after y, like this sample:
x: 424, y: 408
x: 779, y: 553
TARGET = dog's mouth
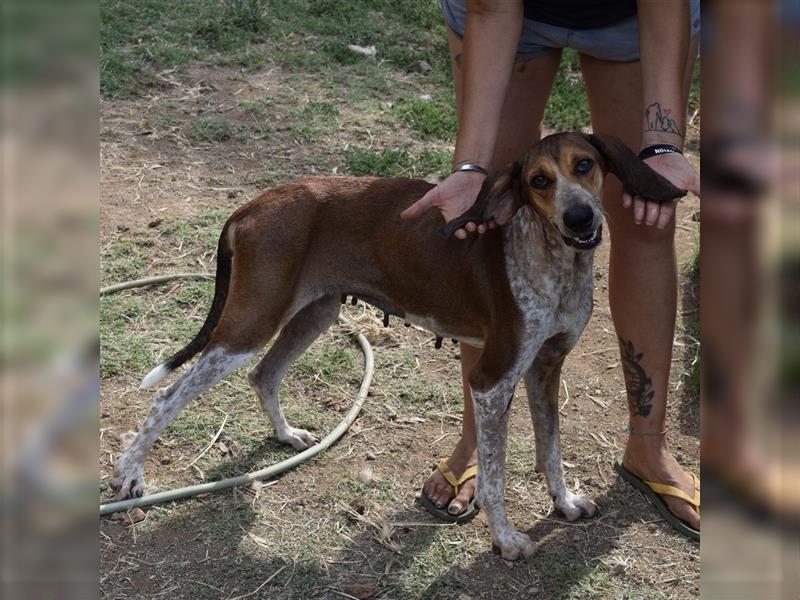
x: 587, y: 241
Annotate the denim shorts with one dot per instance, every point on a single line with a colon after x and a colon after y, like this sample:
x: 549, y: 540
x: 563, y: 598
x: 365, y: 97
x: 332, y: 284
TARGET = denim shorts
x: 617, y: 42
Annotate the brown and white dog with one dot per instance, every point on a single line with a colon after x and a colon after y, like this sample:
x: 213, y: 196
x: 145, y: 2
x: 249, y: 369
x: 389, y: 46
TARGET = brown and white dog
x: 521, y: 291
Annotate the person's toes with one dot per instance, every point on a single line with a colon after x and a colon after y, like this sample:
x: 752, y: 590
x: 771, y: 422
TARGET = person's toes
x: 433, y: 484
x: 441, y: 495
x: 683, y: 510
x: 460, y: 502
x: 434, y: 493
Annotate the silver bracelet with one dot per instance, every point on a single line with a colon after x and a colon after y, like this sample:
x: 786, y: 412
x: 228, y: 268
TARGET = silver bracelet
x: 468, y: 166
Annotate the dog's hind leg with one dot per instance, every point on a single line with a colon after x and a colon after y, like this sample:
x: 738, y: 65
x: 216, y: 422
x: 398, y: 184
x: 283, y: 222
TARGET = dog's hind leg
x: 541, y: 383
x: 266, y: 376
x: 214, y: 364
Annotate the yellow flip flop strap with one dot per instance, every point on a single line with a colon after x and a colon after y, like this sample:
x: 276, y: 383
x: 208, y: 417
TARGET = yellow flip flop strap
x: 668, y: 490
x: 468, y: 473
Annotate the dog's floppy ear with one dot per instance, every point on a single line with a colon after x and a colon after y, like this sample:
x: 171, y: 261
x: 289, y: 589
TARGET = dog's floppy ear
x: 497, y: 201
x: 636, y: 177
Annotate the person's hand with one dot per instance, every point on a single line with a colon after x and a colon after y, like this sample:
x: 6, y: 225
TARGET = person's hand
x: 680, y: 173
x: 453, y: 196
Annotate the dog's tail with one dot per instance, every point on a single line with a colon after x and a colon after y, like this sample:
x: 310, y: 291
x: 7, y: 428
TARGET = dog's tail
x: 223, y: 279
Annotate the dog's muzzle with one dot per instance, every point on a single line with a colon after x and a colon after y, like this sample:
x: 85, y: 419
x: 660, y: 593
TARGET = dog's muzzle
x: 586, y: 241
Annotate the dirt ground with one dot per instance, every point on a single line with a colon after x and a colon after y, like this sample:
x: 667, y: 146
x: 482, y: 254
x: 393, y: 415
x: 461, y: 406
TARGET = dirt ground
x: 326, y: 528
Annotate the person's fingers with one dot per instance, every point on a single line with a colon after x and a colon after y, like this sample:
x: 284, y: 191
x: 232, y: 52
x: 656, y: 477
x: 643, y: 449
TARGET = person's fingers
x: 651, y: 213
x: 638, y: 210
x: 666, y: 214
x: 471, y: 227
x: 420, y: 206
x: 627, y: 200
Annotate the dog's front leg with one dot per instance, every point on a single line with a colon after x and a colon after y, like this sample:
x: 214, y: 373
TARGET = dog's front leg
x: 541, y: 383
x: 491, y: 420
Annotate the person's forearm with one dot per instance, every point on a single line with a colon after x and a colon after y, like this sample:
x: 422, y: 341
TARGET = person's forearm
x: 490, y: 44
x: 664, y: 48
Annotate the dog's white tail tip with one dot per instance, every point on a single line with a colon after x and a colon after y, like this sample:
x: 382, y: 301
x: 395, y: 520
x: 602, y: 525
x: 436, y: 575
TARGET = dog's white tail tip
x: 153, y: 377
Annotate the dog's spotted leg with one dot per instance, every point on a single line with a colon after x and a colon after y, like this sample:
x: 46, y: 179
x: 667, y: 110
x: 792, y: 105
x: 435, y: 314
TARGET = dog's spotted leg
x: 213, y: 365
x: 541, y: 383
x: 267, y: 375
x: 491, y: 419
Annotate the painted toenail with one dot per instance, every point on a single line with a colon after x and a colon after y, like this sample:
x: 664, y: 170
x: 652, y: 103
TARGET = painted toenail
x: 439, y: 504
x: 454, y: 509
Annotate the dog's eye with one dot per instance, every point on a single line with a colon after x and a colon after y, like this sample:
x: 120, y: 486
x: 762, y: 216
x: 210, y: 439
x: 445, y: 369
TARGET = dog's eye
x: 540, y: 182
x: 584, y: 165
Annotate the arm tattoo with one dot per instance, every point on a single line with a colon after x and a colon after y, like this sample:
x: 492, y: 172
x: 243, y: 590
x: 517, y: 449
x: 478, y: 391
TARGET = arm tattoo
x: 657, y: 119
x: 637, y: 382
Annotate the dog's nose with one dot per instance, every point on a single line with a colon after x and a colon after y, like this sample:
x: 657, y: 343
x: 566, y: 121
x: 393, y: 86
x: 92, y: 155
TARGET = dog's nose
x: 579, y: 218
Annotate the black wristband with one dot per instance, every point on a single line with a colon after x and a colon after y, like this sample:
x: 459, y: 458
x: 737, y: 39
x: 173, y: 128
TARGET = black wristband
x: 657, y: 149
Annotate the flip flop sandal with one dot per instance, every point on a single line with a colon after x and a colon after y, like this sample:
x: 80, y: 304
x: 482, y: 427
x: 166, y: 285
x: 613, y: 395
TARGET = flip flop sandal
x: 654, y: 491
x: 441, y: 513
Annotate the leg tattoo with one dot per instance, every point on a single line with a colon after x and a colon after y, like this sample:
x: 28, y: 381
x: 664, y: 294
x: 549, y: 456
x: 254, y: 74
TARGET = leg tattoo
x: 638, y: 383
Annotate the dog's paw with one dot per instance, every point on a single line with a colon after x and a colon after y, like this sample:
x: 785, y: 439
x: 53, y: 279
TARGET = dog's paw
x: 300, y: 439
x: 127, y: 481
x: 573, y: 507
x: 514, y: 545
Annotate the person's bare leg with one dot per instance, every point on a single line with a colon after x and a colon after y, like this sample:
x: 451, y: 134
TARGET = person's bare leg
x: 520, y: 128
x: 642, y: 287
x: 465, y: 453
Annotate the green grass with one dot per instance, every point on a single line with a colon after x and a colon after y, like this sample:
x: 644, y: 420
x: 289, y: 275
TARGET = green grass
x: 430, y: 119
x: 210, y: 130
x: 521, y: 457
x: 397, y: 163
x: 139, y: 39
x: 254, y: 107
x: 567, y: 107
x: 249, y: 59
x: 334, y: 364
x: 315, y: 120
x: 321, y: 113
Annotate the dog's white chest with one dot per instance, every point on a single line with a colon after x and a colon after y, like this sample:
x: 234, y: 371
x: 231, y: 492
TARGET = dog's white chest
x: 553, y: 298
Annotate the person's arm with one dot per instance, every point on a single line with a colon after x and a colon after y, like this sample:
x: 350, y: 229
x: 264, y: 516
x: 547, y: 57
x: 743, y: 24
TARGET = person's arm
x: 664, y: 39
x: 490, y: 43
